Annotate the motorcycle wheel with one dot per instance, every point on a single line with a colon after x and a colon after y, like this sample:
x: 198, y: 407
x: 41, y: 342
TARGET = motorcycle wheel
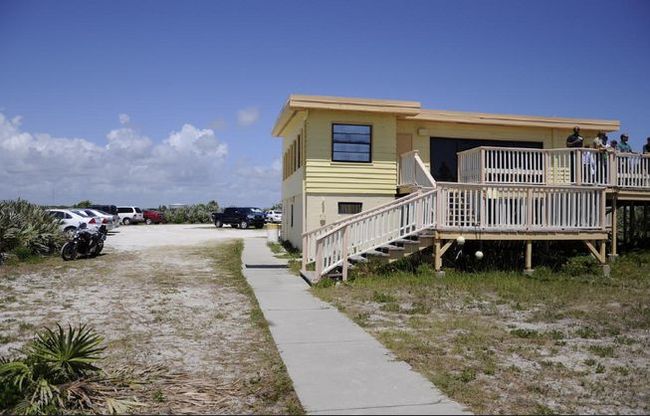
x: 97, y: 249
x: 69, y: 251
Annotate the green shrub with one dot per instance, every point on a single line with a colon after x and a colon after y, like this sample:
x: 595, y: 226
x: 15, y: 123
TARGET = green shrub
x: 581, y: 266
x: 192, y: 214
x: 41, y: 381
x: 26, y: 229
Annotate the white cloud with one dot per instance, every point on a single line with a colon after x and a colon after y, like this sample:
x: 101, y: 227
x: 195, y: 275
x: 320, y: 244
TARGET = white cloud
x: 248, y: 116
x: 189, y: 165
x: 124, y: 118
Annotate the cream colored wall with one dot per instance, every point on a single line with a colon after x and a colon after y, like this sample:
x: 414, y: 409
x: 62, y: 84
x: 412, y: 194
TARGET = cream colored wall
x: 323, y: 209
x: 289, y: 233
x: 292, y: 186
x: 324, y: 176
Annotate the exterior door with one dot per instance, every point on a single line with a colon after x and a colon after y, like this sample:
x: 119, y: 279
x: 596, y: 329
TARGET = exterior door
x: 404, y: 144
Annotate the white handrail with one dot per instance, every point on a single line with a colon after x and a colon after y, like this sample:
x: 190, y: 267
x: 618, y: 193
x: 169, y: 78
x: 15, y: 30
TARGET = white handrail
x: 400, y: 220
x: 413, y: 172
x: 309, y: 237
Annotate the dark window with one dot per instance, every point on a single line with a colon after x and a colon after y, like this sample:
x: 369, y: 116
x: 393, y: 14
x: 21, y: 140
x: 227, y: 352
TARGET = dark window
x: 138, y: 210
x: 351, y: 143
x: 291, y: 215
x: 125, y: 210
x: 444, y: 159
x: 68, y: 216
x: 350, y: 208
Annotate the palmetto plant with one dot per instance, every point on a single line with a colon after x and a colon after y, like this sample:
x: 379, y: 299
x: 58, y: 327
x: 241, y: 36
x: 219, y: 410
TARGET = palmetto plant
x: 51, y: 375
x: 28, y: 227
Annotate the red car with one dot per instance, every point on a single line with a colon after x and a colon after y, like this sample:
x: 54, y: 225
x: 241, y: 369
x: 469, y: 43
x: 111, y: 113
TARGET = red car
x: 153, y: 217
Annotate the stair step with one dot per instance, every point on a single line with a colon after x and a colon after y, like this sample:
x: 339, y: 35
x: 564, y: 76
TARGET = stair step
x: 409, y: 246
x: 358, y: 259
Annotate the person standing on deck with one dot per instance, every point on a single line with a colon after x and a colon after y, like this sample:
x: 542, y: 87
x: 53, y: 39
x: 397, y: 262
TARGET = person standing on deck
x: 600, y: 142
x: 573, y: 141
x: 623, y: 147
x: 646, y: 146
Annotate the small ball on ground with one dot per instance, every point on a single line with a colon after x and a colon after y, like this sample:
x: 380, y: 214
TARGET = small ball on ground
x: 479, y: 255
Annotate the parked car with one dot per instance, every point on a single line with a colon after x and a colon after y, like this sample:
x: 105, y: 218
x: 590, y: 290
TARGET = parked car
x: 109, y: 209
x: 110, y: 221
x: 70, y: 220
x: 130, y: 215
x: 239, y: 217
x: 153, y: 217
x: 273, y: 215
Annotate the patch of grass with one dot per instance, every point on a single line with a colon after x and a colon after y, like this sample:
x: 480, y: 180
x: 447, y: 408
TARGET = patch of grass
x: 475, y: 321
x: 275, y: 385
x: 525, y: 333
x: 158, y: 396
x: 380, y: 297
x: 390, y: 307
x: 587, y: 333
x: 602, y: 350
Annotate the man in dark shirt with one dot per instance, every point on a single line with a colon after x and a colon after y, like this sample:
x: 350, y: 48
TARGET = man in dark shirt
x: 646, y: 147
x: 575, y: 140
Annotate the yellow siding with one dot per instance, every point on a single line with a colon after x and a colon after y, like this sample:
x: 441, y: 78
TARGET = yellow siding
x: 326, y: 177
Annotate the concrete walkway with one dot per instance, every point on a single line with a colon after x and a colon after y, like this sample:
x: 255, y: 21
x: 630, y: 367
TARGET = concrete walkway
x: 336, y: 367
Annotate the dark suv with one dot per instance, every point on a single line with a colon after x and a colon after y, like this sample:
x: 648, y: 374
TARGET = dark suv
x: 239, y: 217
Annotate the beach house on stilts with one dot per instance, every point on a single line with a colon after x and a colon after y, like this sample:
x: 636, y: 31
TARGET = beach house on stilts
x: 387, y: 178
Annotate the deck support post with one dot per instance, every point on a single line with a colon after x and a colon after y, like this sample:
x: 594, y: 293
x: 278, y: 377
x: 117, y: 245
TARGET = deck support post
x: 437, y: 258
x: 528, y: 266
x: 613, y: 249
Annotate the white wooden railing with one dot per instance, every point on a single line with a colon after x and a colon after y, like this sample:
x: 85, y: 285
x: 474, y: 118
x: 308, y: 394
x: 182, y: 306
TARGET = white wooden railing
x: 579, y: 166
x: 463, y: 207
x: 413, y: 172
x: 632, y: 170
x: 505, y: 208
x: 309, y: 238
x: 403, y: 218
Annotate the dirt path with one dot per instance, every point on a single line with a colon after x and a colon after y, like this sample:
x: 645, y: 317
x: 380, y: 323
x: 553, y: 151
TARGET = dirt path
x: 175, y: 310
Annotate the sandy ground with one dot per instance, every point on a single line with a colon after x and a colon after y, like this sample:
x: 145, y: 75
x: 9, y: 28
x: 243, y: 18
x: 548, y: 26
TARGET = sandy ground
x: 140, y: 237
x: 158, y: 296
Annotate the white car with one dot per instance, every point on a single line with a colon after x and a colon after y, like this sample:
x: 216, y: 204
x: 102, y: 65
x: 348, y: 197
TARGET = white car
x: 71, y: 220
x: 106, y: 219
x: 130, y: 215
x: 273, y: 215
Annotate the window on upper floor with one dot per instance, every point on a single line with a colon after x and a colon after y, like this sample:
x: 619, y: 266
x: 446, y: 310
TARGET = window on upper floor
x: 351, y: 143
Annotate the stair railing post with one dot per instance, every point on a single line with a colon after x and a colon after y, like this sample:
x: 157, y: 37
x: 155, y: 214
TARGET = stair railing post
x: 319, y: 259
x: 305, y: 252
x: 345, y: 251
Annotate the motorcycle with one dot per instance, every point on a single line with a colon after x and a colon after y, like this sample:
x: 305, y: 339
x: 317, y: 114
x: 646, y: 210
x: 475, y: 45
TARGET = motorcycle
x: 85, y: 243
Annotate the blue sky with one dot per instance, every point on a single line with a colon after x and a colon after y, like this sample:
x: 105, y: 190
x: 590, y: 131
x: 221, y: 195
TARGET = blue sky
x: 68, y: 69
